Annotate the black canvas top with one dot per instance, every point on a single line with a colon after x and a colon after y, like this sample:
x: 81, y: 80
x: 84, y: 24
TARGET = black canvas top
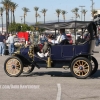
x: 66, y: 25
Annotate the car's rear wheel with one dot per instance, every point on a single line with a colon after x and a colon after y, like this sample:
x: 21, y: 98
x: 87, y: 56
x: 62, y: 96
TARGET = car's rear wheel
x: 94, y: 65
x: 13, y: 66
x: 28, y: 69
x: 81, y: 68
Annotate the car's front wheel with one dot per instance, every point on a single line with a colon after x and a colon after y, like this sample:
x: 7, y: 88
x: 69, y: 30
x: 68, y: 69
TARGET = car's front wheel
x: 81, y: 68
x: 13, y: 66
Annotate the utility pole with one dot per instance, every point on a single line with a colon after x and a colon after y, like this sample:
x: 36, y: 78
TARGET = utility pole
x: 81, y: 11
x: 92, y: 9
x: 21, y: 18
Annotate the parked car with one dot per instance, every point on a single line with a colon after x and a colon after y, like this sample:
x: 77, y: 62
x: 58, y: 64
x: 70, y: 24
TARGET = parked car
x: 77, y: 57
x: 24, y: 35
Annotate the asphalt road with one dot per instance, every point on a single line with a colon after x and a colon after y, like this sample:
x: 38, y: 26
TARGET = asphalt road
x: 49, y: 84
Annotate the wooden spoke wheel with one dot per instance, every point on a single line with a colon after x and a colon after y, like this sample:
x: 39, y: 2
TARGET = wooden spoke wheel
x: 81, y: 67
x: 13, y: 66
x: 28, y: 69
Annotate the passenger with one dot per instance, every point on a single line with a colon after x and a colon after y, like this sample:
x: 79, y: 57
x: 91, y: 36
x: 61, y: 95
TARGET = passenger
x: 61, y: 37
x: 83, y: 38
x: 87, y: 36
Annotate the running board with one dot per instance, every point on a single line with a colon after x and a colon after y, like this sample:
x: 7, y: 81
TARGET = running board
x: 65, y: 67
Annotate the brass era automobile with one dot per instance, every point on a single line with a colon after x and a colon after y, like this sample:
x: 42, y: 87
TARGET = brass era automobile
x: 77, y: 56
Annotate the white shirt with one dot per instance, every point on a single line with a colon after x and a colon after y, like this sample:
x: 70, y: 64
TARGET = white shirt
x: 59, y: 39
x: 10, y: 39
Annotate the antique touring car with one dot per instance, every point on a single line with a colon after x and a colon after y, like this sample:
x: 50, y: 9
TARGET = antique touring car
x: 77, y: 56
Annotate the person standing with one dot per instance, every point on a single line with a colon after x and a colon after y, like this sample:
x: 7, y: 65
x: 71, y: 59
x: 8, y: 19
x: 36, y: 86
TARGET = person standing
x: 42, y: 38
x: 2, y: 44
x: 4, y: 50
x: 10, y: 40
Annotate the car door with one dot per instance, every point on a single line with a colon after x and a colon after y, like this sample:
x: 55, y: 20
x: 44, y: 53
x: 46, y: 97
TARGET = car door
x: 56, y: 52
x: 67, y: 51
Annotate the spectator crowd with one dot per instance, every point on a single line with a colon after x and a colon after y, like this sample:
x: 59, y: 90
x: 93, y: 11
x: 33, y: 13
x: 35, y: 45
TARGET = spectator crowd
x: 6, y: 43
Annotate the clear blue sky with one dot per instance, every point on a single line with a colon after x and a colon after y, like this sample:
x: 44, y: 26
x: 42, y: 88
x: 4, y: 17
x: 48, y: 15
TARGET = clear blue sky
x: 51, y: 6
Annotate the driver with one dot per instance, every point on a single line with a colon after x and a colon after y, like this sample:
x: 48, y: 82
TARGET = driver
x: 61, y: 37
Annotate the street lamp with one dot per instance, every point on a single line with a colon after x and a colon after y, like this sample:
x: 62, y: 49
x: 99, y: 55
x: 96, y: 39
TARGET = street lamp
x: 81, y: 11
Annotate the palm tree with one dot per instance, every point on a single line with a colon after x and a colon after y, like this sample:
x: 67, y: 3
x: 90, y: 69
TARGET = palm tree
x: 13, y: 7
x: 36, y: 14
x: 11, y: 3
x: 63, y: 13
x: 58, y: 11
x: 44, y: 13
x: 1, y: 13
x: 84, y: 13
x: 25, y: 12
x: 93, y: 12
x: 6, y: 4
x: 75, y: 11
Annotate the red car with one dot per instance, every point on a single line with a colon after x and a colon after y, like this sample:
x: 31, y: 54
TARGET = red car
x: 70, y: 38
x: 24, y: 35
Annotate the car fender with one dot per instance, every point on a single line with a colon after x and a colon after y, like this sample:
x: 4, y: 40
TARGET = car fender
x: 23, y: 59
x: 79, y: 55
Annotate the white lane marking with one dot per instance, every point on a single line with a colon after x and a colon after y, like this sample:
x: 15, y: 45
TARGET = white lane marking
x: 59, y: 92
